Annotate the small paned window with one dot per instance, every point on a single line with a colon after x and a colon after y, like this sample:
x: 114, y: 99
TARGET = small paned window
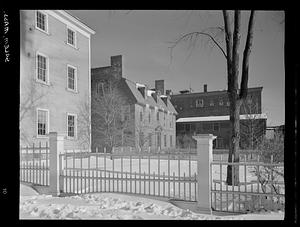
x: 71, y: 37
x: 199, y: 103
x: 42, y: 122
x: 41, y: 21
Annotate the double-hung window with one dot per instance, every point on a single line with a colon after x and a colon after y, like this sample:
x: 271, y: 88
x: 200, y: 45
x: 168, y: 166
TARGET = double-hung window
x: 71, y: 39
x: 42, y: 122
x: 42, y: 68
x: 71, y: 125
x: 199, y: 103
x: 72, y: 78
x: 41, y: 21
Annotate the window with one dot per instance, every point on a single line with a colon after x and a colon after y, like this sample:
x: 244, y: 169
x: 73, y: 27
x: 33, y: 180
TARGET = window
x: 42, y: 71
x: 199, y: 103
x: 141, y: 116
x: 228, y: 103
x: 219, y: 143
x: 42, y: 122
x: 171, y: 142
x: 71, y: 37
x: 99, y: 88
x: 41, y: 21
x: 216, y: 127
x: 206, y: 127
x: 221, y: 102
x: 72, y: 78
x: 71, y: 125
x: 198, y: 128
x: 157, y: 115
x: 165, y: 140
x: 125, y: 113
x: 149, y: 117
x: 211, y: 103
x: 149, y: 139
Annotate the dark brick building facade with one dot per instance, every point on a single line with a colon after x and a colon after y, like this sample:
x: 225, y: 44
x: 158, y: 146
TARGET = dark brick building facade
x: 208, y: 112
x: 150, y: 116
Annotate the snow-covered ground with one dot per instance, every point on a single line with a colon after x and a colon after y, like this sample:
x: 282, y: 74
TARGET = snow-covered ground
x: 141, y: 180
x: 115, y: 206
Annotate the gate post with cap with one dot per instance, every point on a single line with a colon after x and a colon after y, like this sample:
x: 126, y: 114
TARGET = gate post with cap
x: 204, y: 178
x: 56, y: 147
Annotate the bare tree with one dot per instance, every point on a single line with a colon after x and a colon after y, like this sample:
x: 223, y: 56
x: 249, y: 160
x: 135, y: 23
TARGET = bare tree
x: 84, y: 123
x: 253, y: 127
x: 30, y: 98
x: 236, y: 95
x: 107, y: 114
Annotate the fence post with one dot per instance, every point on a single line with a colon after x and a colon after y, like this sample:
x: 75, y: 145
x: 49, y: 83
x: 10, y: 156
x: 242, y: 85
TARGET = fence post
x: 204, y: 178
x: 56, y: 147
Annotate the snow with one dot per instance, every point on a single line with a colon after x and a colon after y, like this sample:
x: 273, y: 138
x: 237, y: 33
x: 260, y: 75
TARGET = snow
x: 114, y: 206
x: 221, y: 118
x: 149, y: 167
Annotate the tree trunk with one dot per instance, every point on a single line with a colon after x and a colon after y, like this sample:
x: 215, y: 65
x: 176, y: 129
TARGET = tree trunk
x: 233, y: 171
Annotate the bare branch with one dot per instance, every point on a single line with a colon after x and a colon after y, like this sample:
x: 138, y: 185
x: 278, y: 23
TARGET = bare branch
x: 228, y: 39
x: 246, y: 55
x: 189, y: 37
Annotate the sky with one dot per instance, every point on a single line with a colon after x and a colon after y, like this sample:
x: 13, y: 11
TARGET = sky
x: 144, y: 38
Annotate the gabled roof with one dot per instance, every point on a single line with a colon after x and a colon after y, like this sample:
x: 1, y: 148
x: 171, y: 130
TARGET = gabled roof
x: 149, y: 99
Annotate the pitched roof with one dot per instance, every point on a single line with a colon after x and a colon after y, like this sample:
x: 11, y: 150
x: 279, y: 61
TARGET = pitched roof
x: 149, y: 99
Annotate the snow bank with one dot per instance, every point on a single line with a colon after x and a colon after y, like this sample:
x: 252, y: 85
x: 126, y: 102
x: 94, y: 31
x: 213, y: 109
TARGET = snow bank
x: 111, y: 206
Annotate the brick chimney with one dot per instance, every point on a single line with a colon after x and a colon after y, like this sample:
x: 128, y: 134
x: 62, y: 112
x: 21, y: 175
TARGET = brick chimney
x: 116, y: 66
x: 205, y: 87
x: 160, y: 87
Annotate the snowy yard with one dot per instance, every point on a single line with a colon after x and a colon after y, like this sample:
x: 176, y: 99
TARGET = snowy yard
x: 113, y: 175
x: 115, y: 206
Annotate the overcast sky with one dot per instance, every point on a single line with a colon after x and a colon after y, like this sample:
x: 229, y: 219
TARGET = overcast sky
x: 143, y: 39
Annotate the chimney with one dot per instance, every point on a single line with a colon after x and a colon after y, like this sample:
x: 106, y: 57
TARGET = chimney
x: 205, y: 87
x: 160, y: 87
x: 168, y: 92
x: 116, y: 66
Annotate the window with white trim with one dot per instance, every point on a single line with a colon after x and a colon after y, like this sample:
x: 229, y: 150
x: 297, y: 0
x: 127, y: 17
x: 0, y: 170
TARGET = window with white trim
x: 71, y: 37
x: 42, y: 122
x: 199, y: 103
x: 221, y: 102
x: 72, y: 78
x: 41, y: 21
x: 71, y: 125
x: 42, y: 71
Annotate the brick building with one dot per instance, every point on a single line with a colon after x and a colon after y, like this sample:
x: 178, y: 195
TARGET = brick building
x: 208, y: 112
x: 148, y: 114
x: 54, y: 76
